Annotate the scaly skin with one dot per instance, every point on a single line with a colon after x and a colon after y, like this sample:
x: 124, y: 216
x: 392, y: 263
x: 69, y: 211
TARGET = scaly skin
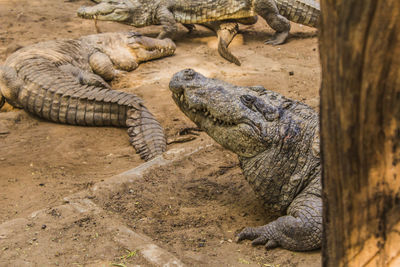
x: 65, y: 81
x: 277, y: 142
x: 226, y: 30
x: 139, y: 13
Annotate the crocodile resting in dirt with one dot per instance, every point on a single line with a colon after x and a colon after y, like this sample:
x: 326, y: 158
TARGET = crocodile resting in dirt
x: 65, y: 81
x: 120, y: 11
x: 139, y: 13
x: 277, y: 142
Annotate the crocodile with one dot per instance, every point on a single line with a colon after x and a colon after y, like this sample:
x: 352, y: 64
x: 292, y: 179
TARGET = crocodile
x: 225, y: 30
x: 277, y: 143
x: 140, y: 13
x: 66, y: 81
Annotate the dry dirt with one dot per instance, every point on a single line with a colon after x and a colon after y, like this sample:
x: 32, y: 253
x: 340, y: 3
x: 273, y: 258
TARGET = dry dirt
x: 192, y: 210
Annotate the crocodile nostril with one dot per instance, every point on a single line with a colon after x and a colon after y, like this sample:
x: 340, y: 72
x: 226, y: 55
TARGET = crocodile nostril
x: 188, y: 74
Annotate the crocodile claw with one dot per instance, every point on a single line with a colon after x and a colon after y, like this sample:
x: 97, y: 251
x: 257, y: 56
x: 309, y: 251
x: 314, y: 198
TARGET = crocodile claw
x: 258, y: 236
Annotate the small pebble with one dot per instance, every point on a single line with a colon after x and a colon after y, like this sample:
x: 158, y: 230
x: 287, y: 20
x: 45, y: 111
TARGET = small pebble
x: 44, y: 226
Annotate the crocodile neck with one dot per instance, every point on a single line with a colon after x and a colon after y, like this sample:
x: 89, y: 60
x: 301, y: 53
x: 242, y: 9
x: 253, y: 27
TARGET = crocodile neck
x: 278, y: 174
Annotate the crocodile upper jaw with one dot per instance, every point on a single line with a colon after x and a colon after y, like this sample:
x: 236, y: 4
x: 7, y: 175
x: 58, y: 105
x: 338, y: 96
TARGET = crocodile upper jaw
x: 105, y: 11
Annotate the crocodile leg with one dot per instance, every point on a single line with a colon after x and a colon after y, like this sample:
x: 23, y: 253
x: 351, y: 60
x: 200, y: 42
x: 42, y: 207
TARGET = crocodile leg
x: 300, y: 229
x: 269, y: 11
x: 84, y: 77
x: 189, y: 27
x: 167, y: 20
x: 103, y: 66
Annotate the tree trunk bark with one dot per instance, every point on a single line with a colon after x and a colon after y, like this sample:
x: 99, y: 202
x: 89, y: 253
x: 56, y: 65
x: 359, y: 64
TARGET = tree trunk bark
x: 360, y: 132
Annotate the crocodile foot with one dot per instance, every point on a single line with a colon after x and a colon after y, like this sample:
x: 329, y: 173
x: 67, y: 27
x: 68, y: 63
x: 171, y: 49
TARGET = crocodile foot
x: 258, y: 235
x: 278, y: 38
x: 297, y: 234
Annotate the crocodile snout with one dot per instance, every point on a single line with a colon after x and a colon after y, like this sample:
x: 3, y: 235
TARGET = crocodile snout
x: 188, y: 74
x: 102, y: 11
x: 87, y: 12
x: 181, y: 79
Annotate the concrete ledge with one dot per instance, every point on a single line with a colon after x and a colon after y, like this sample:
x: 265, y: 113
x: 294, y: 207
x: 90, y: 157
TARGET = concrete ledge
x: 79, y: 206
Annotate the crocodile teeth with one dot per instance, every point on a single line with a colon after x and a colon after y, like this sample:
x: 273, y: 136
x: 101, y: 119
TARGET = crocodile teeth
x: 181, y: 99
x: 206, y: 113
x: 194, y: 110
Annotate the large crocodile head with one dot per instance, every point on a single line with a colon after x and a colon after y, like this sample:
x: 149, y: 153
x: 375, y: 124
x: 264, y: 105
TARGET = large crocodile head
x: 124, y: 11
x: 245, y: 120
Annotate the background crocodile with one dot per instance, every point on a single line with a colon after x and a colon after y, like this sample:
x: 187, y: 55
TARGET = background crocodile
x: 65, y: 81
x: 112, y: 10
x: 141, y: 13
x: 277, y: 141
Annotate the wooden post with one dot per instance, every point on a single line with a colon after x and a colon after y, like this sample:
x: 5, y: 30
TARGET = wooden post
x: 360, y: 132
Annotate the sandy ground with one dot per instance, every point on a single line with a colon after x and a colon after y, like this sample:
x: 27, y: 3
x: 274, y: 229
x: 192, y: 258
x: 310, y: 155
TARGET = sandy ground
x: 196, y: 217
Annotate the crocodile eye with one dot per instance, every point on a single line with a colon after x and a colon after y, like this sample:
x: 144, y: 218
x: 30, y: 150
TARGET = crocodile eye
x: 248, y: 100
x: 287, y: 104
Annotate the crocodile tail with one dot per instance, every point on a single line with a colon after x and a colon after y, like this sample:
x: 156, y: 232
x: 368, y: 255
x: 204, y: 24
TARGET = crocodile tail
x: 226, y: 31
x: 306, y: 12
x: 104, y: 106
x: 59, y: 95
x: 145, y: 132
x: 225, y: 53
